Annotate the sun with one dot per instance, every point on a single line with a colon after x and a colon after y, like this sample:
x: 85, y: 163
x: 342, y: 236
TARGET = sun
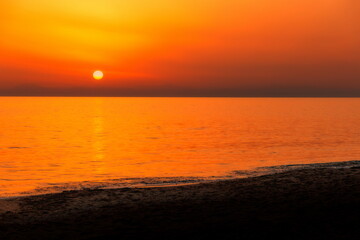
x: 98, y: 75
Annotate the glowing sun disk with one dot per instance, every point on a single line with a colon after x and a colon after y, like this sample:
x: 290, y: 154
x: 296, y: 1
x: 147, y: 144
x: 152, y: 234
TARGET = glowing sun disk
x: 97, y: 75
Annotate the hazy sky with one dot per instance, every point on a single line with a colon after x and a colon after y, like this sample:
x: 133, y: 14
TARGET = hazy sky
x: 163, y: 47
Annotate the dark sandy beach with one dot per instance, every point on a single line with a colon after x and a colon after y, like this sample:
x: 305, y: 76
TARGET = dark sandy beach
x: 300, y: 204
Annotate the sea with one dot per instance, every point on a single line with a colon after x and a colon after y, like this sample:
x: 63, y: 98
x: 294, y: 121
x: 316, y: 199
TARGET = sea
x: 55, y: 144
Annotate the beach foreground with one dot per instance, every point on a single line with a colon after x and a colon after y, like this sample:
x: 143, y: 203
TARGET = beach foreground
x: 300, y: 204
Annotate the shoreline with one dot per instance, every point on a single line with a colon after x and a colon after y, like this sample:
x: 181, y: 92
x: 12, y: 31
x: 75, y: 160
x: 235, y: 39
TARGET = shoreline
x: 316, y: 203
x: 160, y: 182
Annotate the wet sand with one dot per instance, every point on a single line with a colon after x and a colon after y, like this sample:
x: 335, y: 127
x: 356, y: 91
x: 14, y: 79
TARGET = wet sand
x: 300, y: 204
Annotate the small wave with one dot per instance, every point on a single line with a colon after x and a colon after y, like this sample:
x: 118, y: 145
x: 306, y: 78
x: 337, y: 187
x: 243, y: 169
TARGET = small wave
x: 117, y: 183
x: 283, y: 168
x: 15, y: 147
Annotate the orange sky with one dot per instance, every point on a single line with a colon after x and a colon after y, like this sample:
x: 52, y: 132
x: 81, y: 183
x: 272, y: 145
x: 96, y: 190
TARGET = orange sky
x: 185, y: 44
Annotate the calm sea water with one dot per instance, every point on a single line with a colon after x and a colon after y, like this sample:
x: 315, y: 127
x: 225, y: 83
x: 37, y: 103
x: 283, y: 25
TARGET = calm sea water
x: 52, y: 144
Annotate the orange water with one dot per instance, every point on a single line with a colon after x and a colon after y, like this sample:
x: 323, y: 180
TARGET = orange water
x: 53, y: 141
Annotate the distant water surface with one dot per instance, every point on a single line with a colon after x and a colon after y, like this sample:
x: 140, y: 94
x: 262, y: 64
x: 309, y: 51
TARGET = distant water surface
x: 50, y: 144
